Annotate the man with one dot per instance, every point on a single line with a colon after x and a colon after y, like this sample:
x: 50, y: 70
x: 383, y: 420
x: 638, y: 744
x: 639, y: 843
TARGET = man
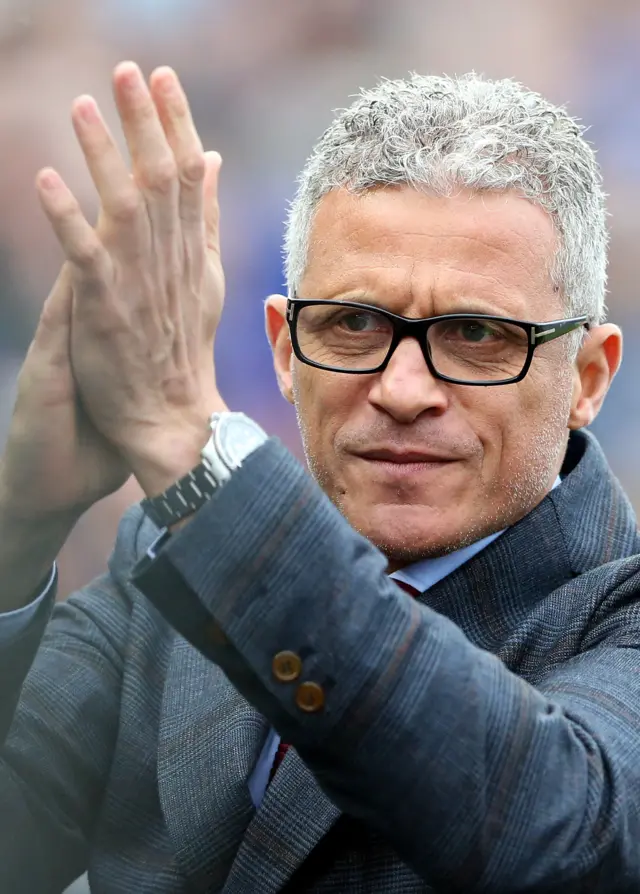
x: 480, y: 732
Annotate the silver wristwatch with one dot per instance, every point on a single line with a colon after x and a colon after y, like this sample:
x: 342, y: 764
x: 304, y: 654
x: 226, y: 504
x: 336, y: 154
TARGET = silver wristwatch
x: 233, y: 437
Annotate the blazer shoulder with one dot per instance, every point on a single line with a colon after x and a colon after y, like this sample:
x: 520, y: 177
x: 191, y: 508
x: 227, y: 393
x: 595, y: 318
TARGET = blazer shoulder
x: 613, y: 593
x: 618, y: 576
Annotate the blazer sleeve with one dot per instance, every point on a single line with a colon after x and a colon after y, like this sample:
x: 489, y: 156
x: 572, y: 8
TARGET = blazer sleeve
x: 63, y: 678
x: 481, y: 781
x: 20, y: 635
x: 15, y: 622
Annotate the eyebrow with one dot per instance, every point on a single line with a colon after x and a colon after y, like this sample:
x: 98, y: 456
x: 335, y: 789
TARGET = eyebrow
x: 360, y: 297
x: 463, y: 306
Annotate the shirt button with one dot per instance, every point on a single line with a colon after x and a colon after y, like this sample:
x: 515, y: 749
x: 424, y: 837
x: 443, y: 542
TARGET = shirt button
x: 310, y: 697
x: 286, y: 666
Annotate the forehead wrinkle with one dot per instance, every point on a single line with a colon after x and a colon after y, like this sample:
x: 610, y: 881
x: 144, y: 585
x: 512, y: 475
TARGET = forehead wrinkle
x: 516, y: 254
x: 513, y: 253
x: 355, y: 271
x: 420, y: 288
x: 526, y: 249
x: 370, y: 248
x: 496, y: 283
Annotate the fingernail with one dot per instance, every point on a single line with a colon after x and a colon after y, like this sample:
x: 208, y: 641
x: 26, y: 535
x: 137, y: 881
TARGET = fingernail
x: 86, y: 109
x: 48, y: 179
x: 128, y: 75
x: 165, y: 78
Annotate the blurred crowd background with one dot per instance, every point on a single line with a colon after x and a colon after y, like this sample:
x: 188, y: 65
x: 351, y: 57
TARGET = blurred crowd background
x: 263, y: 77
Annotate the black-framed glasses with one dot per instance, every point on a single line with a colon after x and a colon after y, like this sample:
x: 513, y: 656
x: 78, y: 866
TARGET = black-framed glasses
x: 467, y: 349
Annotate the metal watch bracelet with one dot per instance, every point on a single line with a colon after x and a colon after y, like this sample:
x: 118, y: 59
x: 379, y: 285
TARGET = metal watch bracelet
x: 182, y: 499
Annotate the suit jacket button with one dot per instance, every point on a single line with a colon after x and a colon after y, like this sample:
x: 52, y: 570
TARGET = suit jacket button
x: 286, y: 666
x: 310, y: 697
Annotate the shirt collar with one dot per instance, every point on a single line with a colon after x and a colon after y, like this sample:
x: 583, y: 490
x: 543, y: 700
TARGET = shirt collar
x: 424, y: 574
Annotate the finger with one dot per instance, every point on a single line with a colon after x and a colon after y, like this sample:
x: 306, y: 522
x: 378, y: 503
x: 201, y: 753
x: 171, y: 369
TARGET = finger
x: 211, y: 203
x: 78, y: 239
x: 119, y: 196
x: 52, y: 331
x: 182, y: 137
x: 154, y: 166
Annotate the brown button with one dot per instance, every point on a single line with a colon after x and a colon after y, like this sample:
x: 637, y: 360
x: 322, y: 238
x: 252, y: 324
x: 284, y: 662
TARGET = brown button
x: 286, y: 666
x: 310, y: 697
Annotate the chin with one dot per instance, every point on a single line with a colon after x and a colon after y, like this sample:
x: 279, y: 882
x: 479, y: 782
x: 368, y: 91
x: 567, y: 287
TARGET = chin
x: 407, y: 534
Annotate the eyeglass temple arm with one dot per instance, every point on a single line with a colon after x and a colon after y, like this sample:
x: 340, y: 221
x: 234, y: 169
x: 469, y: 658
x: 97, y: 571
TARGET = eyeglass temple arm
x: 545, y: 332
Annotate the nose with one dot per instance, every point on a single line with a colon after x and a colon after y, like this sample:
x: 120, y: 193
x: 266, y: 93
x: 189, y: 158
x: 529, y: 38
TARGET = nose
x: 406, y: 388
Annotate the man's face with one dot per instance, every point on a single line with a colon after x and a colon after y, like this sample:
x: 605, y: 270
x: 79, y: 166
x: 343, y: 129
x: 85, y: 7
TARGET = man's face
x: 478, y: 458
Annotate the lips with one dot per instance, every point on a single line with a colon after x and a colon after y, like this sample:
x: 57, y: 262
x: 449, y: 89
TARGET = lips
x: 403, y: 468
x: 405, y: 457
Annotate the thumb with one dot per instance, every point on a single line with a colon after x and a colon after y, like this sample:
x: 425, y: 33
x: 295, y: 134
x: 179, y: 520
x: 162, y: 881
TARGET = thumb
x: 211, y: 203
x: 54, y: 326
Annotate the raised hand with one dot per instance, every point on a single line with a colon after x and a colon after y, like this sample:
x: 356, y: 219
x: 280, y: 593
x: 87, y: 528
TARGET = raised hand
x: 147, y: 281
x: 55, y: 465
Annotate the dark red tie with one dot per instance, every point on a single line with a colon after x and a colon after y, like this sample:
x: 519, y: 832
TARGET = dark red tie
x: 283, y: 746
x: 277, y: 760
x: 407, y: 588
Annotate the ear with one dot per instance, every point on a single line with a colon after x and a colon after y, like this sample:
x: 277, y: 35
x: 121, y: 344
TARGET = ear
x: 275, y: 311
x: 596, y: 364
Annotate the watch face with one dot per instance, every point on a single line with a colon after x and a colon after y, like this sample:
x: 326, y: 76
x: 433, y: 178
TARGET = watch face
x: 236, y: 437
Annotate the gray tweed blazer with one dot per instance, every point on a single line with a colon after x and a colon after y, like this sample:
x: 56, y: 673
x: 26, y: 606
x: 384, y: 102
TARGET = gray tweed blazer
x: 485, y: 737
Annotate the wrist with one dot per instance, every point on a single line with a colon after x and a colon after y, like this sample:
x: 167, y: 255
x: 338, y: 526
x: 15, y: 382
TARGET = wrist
x: 166, y: 454
x: 233, y: 437
x: 167, y: 459
x: 28, y: 548
x: 22, y: 512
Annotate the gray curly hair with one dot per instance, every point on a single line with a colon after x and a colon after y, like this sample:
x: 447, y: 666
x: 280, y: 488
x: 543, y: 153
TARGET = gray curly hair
x: 440, y: 134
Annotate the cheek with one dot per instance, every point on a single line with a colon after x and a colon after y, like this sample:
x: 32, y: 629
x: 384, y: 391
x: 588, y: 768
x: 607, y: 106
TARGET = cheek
x: 523, y: 427
x: 545, y: 399
x: 322, y: 400
x: 325, y: 404
x: 506, y: 420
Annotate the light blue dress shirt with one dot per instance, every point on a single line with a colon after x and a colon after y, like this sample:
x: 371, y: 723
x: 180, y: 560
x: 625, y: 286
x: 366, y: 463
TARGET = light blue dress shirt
x: 421, y: 575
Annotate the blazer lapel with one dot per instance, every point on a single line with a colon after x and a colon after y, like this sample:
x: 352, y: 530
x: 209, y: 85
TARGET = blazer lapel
x: 209, y: 741
x: 292, y: 819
